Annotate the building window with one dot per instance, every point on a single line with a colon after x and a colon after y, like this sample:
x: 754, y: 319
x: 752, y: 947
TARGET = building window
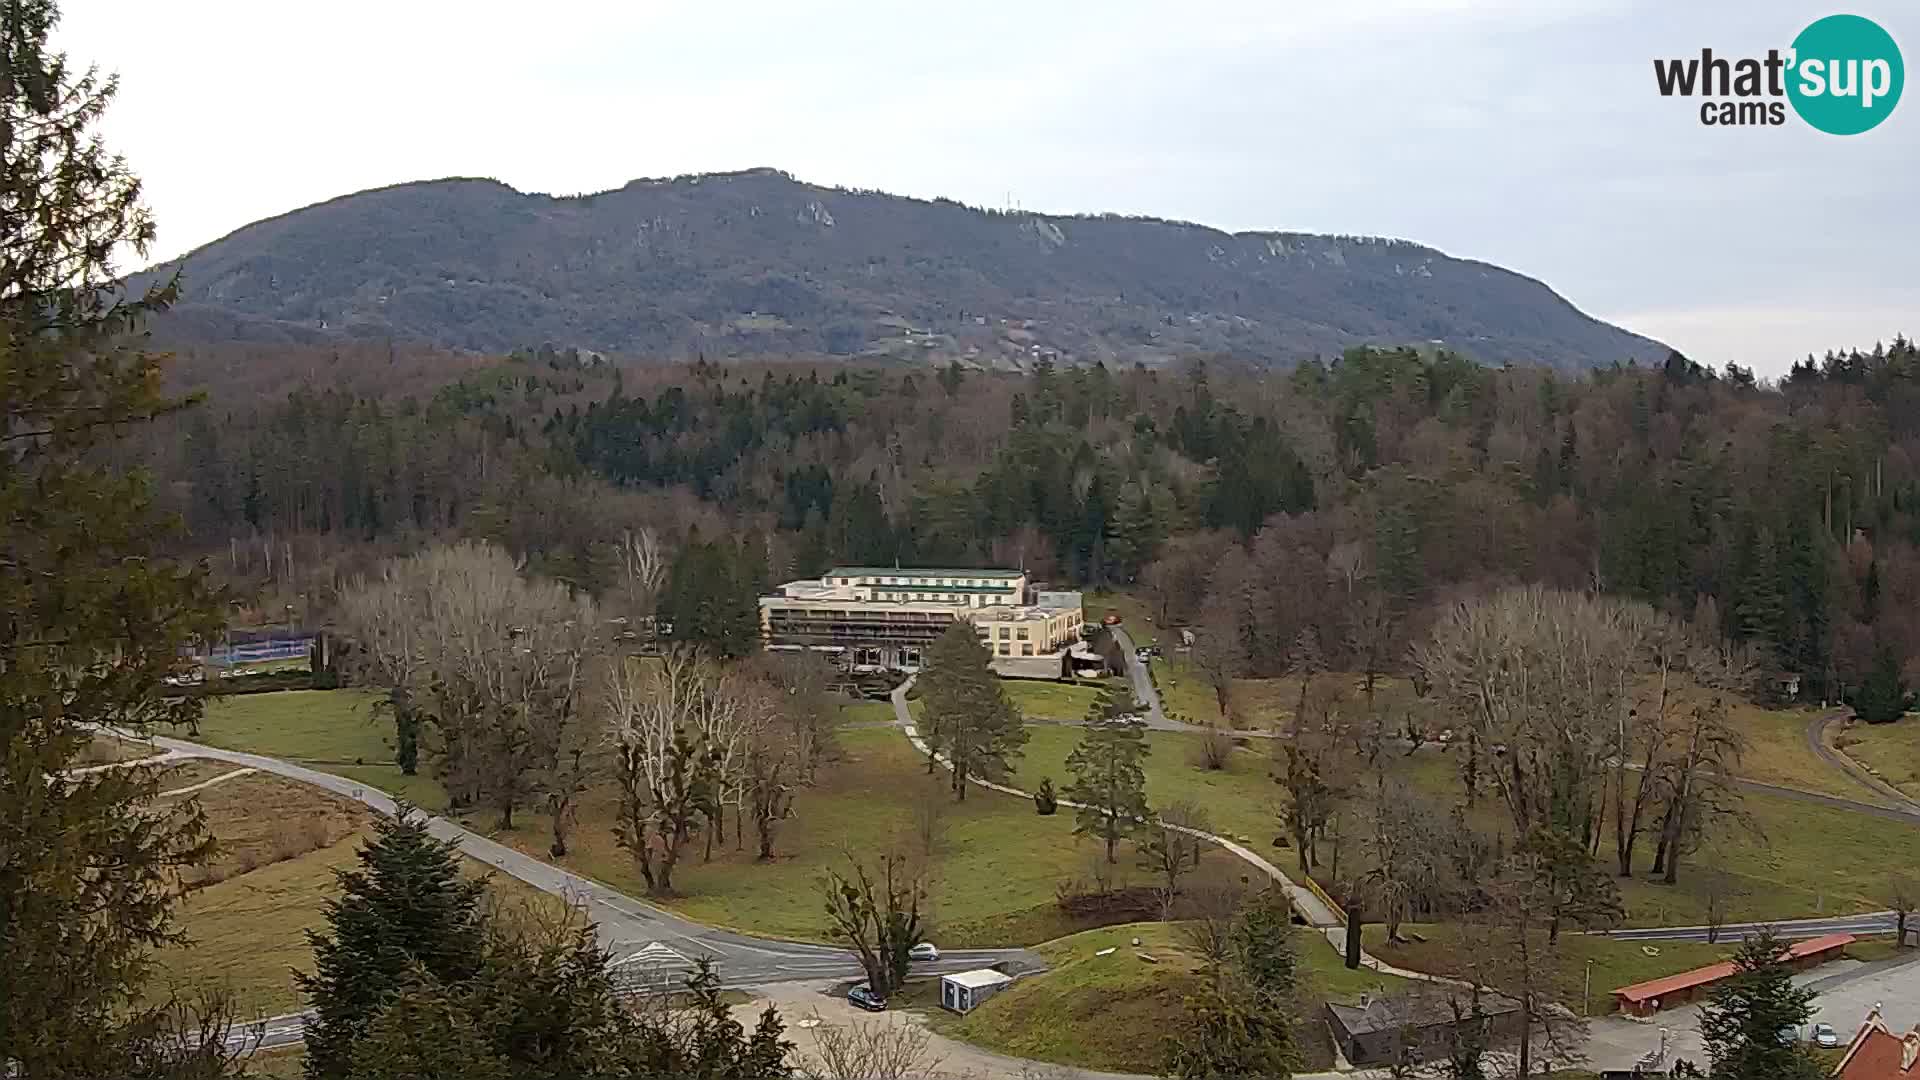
x: 1023, y: 633
x: 1026, y: 650
x: 1003, y: 633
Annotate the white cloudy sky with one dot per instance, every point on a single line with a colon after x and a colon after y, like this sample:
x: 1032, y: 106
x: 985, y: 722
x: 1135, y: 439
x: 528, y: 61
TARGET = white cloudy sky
x: 1524, y: 132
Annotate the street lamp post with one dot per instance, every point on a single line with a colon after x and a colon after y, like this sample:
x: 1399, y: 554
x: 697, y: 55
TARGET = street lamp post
x: 1586, y: 1000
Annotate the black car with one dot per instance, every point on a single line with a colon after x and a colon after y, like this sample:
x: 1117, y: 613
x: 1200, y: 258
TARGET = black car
x: 863, y: 997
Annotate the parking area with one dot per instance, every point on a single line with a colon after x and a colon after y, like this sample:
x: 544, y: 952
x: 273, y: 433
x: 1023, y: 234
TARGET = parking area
x: 1847, y: 988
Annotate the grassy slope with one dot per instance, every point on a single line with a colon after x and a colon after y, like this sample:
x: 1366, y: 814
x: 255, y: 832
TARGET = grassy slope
x: 1891, y: 750
x: 248, y: 933
x: 1111, y: 1012
x: 1135, y: 617
x: 1806, y: 860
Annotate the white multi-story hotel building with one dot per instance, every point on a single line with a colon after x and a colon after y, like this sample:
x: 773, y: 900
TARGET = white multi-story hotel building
x: 883, y: 618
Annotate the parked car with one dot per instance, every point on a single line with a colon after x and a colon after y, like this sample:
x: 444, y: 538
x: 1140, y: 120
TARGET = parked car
x: 1825, y: 1037
x: 863, y: 997
x: 1789, y: 1036
x: 923, y: 951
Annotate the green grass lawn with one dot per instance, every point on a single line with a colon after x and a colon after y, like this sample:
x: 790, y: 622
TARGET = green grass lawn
x: 866, y: 712
x: 1777, y: 753
x: 1052, y: 700
x: 993, y: 872
x: 1268, y: 703
x: 1239, y: 799
x: 332, y: 730
x: 1805, y: 860
x: 1892, y: 751
x: 1112, y: 1012
x: 1614, y: 963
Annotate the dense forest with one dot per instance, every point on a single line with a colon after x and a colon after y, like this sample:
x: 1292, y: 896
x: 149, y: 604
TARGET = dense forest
x: 1289, y: 504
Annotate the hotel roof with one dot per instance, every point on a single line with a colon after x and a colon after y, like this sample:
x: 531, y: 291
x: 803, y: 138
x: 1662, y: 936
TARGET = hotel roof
x: 917, y: 571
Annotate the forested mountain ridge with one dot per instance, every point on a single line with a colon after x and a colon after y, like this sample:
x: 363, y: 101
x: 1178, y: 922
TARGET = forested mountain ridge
x: 755, y: 264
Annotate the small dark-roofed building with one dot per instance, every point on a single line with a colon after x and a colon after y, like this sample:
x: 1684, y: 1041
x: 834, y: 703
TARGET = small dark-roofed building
x: 1416, y: 1026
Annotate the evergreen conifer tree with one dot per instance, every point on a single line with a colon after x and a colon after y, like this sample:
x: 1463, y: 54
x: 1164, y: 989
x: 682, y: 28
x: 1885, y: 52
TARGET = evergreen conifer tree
x: 1747, y: 1024
x: 969, y: 718
x: 405, y: 913
x: 1109, y: 782
x: 92, y: 622
x: 1882, y: 699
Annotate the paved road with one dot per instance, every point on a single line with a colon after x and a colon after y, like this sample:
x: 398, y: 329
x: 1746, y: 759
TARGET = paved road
x: 1817, y: 742
x: 623, y: 924
x: 1145, y: 693
x: 1874, y: 922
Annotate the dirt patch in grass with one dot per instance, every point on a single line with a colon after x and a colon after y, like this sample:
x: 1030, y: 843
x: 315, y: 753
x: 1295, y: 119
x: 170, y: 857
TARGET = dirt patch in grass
x: 260, y: 819
x: 186, y: 772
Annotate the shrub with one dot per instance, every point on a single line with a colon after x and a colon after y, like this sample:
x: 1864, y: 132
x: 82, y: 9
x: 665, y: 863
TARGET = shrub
x: 319, y: 832
x: 1212, y: 751
x: 1045, y: 802
x: 288, y: 843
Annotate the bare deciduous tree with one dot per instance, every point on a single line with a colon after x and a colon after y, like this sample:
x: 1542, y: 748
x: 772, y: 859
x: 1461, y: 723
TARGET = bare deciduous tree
x: 1206, y: 922
x: 869, y: 1050
x: 769, y: 793
x: 808, y: 712
x: 495, y: 662
x: 642, y: 564
x: 653, y: 719
x: 876, y: 912
x: 1540, y: 679
x: 1903, y: 896
x: 1220, y: 657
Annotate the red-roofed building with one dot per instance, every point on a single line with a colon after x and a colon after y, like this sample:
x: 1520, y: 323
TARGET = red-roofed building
x: 1647, y: 998
x: 1876, y: 1053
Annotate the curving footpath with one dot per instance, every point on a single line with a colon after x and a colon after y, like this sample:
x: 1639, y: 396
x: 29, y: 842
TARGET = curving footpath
x: 1306, y: 902
x: 623, y: 924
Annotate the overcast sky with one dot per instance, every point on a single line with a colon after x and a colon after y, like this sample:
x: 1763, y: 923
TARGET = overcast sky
x: 1524, y: 132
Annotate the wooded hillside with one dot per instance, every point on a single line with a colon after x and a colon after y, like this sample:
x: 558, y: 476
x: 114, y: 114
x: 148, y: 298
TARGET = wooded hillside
x: 1784, y: 515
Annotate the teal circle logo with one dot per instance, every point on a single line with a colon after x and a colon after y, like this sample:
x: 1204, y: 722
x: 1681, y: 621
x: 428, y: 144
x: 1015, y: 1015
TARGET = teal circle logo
x: 1846, y: 75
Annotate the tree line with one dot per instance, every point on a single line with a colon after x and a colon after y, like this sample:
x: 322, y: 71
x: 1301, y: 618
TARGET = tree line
x: 1782, y: 513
